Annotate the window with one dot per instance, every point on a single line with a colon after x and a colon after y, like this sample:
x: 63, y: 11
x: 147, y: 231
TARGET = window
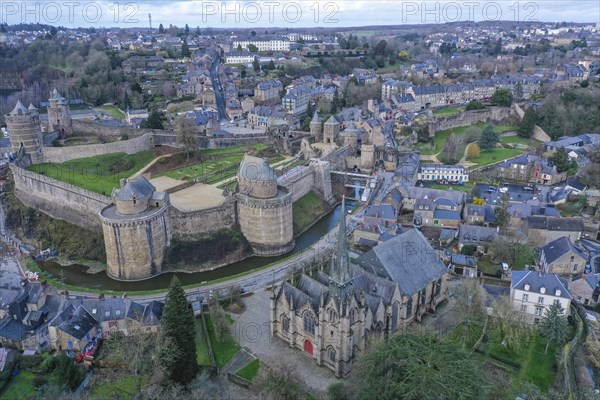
x: 332, y: 316
x: 309, y: 323
x: 541, y: 300
x: 572, y: 258
x: 118, y: 312
x: 94, y: 311
x: 525, y: 297
x: 524, y: 308
x: 353, y: 316
x: 538, y: 311
x: 285, y: 322
x: 409, y: 305
x: 70, y: 344
x: 575, y: 267
x: 107, y: 313
x: 331, y: 353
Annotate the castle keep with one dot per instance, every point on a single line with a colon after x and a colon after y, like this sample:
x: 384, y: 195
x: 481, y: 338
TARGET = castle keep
x: 136, y: 230
x: 25, y: 130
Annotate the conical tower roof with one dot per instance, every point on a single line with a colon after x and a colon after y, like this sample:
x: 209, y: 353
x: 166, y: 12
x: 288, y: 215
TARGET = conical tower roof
x: 332, y: 121
x: 32, y: 107
x: 19, y: 109
x: 351, y: 127
x: 316, y: 119
x: 55, y: 95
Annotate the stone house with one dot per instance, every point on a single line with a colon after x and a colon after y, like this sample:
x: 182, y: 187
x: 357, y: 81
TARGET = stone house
x: 440, y: 212
x: 72, y: 329
x: 562, y: 257
x: 479, y: 215
x: 268, y: 92
x: 479, y: 236
x: 531, y: 292
x: 463, y: 265
x: 413, y: 193
x: 377, y: 220
x: 585, y: 289
x: 541, y: 229
x: 145, y: 317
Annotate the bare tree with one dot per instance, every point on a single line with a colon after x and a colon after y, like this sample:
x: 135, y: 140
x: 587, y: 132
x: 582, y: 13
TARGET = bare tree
x: 508, y: 326
x: 186, y: 135
x: 279, y: 380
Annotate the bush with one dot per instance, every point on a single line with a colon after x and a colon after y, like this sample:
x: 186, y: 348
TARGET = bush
x: 30, y: 362
x: 505, y: 360
x: 475, y: 105
x: 40, y: 380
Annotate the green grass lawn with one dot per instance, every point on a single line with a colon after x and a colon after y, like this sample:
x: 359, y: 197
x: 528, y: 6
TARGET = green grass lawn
x: 199, y: 170
x: 536, y: 367
x: 519, y: 140
x: 99, y: 174
x: 440, y: 112
x: 224, y: 351
x: 442, y: 136
x: 466, y: 189
x: 20, y: 387
x: 124, y: 388
x: 496, y: 155
x: 306, y: 211
x: 112, y: 110
x: 202, y: 356
x: 250, y: 371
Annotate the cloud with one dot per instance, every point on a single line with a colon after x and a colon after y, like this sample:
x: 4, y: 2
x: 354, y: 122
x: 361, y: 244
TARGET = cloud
x: 299, y: 13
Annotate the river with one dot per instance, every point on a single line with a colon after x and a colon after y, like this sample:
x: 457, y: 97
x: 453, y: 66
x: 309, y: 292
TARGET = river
x: 75, y: 275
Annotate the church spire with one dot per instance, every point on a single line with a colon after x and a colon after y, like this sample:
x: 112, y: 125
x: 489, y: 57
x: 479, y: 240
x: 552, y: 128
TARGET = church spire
x: 341, y: 265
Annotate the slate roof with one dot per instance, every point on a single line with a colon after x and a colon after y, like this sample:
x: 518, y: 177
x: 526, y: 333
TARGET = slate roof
x: 559, y: 247
x: 432, y: 194
x: 556, y: 224
x: 537, y: 280
x: 19, y: 109
x: 332, y: 121
x: 473, y: 234
x: 408, y: 260
x: 76, y: 322
x: 486, y: 210
x: 461, y: 259
x: 446, y: 214
x: 384, y: 211
x: 256, y: 169
x: 138, y: 187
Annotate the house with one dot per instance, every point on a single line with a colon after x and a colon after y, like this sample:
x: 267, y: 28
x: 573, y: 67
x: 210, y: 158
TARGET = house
x: 541, y: 229
x: 72, y: 329
x: 562, y: 257
x: 412, y: 193
x: 142, y: 114
x: 439, y: 172
x: 377, y: 220
x: 479, y: 215
x: 268, y: 91
x: 441, y: 212
x: 531, y: 292
x: 296, y: 100
x: 463, y: 265
x: 240, y: 57
x: 479, y: 236
x: 585, y: 289
x: 145, y: 317
x: 519, y: 212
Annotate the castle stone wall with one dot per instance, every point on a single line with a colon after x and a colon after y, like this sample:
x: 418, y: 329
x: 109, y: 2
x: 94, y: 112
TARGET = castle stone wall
x: 57, y: 155
x: 490, y: 114
x: 108, y: 132
x: 58, y: 199
x: 298, y: 181
x: 204, y: 221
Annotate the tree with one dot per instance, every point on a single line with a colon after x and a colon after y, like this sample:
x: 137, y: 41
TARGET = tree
x: 561, y: 160
x: 239, y: 48
x: 528, y: 123
x: 155, y: 120
x: 256, y: 64
x: 271, y: 65
x: 470, y: 306
x: 252, y: 48
x: 502, y: 217
x: 508, y: 327
x: 252, y: 33
x: 309, y: 115
x: 502, y: 98
x: 279, y: 380
x: 178, y: 331
x: 519, y: 91
x: 478, y: 201
x: 403, y: 56
x: 489, y: 139
x: 414, y: 367
x: 472, y: 150
x: 186, y: 136
x: 187, y: 29
x: 161, y: 29
x: 554, y: 325
x: 475, y: 105
x: 185, y: 49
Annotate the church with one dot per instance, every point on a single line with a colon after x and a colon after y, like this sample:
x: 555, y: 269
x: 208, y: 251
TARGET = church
x: 333, y: 316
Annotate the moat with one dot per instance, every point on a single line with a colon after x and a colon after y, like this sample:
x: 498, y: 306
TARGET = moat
x: 75, y: 275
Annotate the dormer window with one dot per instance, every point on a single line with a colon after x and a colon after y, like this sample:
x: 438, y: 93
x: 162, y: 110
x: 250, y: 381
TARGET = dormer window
x: 526, y: 287
x: 557, y: 293
x: 94, y: 311
x: 542, y: 290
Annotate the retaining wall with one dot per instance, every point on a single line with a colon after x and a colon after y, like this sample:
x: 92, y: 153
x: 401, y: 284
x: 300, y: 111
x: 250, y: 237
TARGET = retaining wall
x: 58, y: 199
x: 57, y: 155
x: 490, y: 114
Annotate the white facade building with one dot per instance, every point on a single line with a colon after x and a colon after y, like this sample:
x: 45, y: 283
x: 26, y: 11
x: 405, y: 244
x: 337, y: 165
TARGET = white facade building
x: 439, y: 172
x: 531, y: 292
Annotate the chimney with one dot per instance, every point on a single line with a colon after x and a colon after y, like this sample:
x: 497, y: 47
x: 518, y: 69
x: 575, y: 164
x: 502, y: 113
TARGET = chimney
x: 123, y: 182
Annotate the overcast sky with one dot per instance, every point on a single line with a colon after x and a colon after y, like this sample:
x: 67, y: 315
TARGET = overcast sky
x: 300, y: 13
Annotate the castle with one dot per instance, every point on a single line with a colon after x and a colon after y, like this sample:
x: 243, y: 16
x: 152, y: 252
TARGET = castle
x: 137, y: 220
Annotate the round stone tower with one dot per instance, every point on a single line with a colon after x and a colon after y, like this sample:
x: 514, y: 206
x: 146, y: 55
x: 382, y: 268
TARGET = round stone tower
x: 264, y: 209
x: 331, y: 129
x: 350, y: 135
x: 23, y: 126
x: 136, y: 230
x: 316, y: 127
x: 59, y: 114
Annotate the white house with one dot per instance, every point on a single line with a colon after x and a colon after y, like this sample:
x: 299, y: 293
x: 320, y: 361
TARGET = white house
x: 531, y: 292
x: 439, y: 172
x: 237, y: 57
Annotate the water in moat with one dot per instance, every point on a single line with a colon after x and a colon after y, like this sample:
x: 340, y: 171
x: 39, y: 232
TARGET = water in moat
x: 75, y: 275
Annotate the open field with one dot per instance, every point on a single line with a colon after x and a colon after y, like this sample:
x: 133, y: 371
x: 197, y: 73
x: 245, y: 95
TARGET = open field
x: 440, y: 112
x: 250, y: 371
x: 442, y: 136
x: 123, y: 388
x: 20, y: 387
x: 496, y: 155
x: 100, y: 174
x: 111, y: 110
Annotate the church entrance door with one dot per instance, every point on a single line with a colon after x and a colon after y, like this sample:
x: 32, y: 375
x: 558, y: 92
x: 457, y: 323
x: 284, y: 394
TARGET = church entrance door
x: 308, y: 347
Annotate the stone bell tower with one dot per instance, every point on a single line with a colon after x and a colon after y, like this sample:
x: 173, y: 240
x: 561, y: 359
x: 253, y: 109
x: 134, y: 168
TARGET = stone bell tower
x: 59, y: 114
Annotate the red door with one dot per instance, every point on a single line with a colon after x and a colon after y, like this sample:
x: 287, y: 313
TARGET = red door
x: 308, y: 347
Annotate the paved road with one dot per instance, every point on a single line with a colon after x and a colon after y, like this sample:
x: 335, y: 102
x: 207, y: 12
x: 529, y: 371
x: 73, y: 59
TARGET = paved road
x: 214, y: 76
